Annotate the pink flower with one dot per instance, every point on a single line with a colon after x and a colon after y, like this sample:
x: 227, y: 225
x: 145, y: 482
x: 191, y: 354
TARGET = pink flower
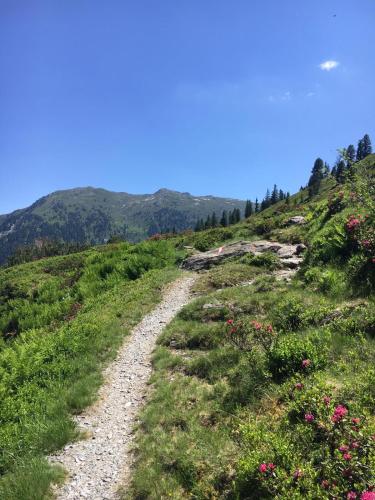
x: 325, y: 484
x: 354, y: 445
x: 347, y: 457
x: 230, y: 322
x: 368, y: 495
x: 271, y: 466
x: 299, y: 386
x: 351, y: 495
x: 297, y: 474
x: 306, y: 363
x: 269, y: 329
x: 344, y: 448
x: 356, y: 421
x: 326, y: 400
x: 257, y: 325
x: 339, y: 413
x: 309, y: 417
x: 263, y: 468
x: 233, y: 330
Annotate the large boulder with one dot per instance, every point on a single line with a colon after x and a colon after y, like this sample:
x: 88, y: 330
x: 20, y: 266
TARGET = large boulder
x: 297, y: 220
x: 205, y: 260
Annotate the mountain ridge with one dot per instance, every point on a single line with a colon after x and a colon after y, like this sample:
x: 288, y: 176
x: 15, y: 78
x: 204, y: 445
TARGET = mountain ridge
x: 92, y: 215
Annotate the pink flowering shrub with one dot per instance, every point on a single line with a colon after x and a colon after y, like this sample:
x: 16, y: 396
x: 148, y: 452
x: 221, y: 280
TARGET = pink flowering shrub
x: 321, y: 448
x: 248, y: 335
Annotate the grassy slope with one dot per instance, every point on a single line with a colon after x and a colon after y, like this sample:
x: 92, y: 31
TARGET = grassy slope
x: 217, y: 412
x: 63, y: 318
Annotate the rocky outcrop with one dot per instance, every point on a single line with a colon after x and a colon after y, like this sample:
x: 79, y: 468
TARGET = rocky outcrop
x: 289, y: 254
x: 297, y: 220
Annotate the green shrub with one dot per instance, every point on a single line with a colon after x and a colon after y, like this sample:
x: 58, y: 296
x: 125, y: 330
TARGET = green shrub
x: 290, y: 352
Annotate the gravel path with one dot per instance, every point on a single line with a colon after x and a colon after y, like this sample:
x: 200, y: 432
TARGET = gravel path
x: 97, y: 466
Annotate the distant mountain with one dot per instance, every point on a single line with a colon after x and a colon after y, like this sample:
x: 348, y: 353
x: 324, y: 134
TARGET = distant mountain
x: 93, y: 215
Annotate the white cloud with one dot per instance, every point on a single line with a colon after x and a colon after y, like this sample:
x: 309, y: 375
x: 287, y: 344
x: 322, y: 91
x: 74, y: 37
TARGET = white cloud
x: 328, y: 65
x: 310, y: 94
x: 286, y: 96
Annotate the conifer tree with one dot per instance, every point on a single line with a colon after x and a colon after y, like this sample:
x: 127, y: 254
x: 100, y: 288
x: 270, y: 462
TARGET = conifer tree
x: 213, y: 220
x: 237, y: 215
x: 350, y: 155
x: 360, y: 150
x: 317, y: 174
x: 281, y: 195
x: 367, y: 148
x: 340, y: 172
x: 208, y: 222
x: 248, y: 209
x: 224, y: 219
x: 287, y: 198
x: 275, y: 195
x: 256, y: 205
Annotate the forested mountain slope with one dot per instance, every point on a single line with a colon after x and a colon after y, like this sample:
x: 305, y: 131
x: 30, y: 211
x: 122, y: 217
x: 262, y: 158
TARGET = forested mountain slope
x: 89, y: 215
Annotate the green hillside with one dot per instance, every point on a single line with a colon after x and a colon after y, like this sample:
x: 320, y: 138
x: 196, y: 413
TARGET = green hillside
x: 262, y: 388
x: 89, y: 215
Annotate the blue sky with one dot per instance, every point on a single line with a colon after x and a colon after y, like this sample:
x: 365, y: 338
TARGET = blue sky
x: 206, y: 96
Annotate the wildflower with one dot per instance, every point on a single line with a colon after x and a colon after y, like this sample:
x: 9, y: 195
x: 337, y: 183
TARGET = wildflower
x: 344, y: 448
x: 351, y: 495
x: 269, y: 329
x: 271, y: 466
x: 339, y: 413
x: 309, y: 417
x: 233, y: 330
x: 263, y: 468
x: 366, y: 243
x: 325, y: 484
x: 230, y: 322
x: 347, y: 457
x: 368, y: 495
x: 326, y: 400
x: 257, y: 325
x: 347, y: 473
x: 306, y: 363
x: 299, y: 386
x: 297, y: 474
x: 356, y: 421
x: 354, y: 445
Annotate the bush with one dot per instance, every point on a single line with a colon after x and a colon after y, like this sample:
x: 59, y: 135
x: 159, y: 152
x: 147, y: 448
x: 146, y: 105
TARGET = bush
x: 293, y: 353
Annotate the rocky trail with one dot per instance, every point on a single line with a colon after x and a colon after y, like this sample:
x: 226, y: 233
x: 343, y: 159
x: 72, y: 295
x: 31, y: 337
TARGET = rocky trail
x: 98, y: 465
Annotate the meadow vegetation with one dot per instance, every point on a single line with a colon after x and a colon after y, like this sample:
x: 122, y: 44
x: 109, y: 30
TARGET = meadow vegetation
x: 266, y: 390
x: 62, y: 319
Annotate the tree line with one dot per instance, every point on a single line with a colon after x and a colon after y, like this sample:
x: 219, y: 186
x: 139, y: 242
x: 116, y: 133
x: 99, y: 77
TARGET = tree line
x: 342, y: 167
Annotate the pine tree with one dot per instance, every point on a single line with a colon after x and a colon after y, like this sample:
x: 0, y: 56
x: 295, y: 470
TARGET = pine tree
x: 208, y: 222
x: 367, y: 148
x: 340, y: 172
x: 256, y: 205
x: 237, y: 214
x: 334, y: 171
x: 326, y: 169
x: 213, y: 220
x: 248, y: 209
x: 287, y: 198
x: 224, y: 219
x: 281, y: 195
x: 275, y: 195
x: 317, y: 174
x: 350, y: 155
x: 231, y: 217
x: 360, y: 150
x: 197, y: 226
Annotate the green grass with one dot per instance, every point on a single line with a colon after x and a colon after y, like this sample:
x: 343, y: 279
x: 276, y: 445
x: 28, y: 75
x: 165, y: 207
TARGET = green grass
x: 218, y: 411
x: 52, y: 368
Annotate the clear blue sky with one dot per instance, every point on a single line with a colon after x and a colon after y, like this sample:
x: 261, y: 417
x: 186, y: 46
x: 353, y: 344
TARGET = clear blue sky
x: 219, y: 97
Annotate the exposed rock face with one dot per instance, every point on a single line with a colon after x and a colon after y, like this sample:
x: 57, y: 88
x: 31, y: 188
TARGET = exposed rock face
x: 289, y: 254
x: 296, y: 220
